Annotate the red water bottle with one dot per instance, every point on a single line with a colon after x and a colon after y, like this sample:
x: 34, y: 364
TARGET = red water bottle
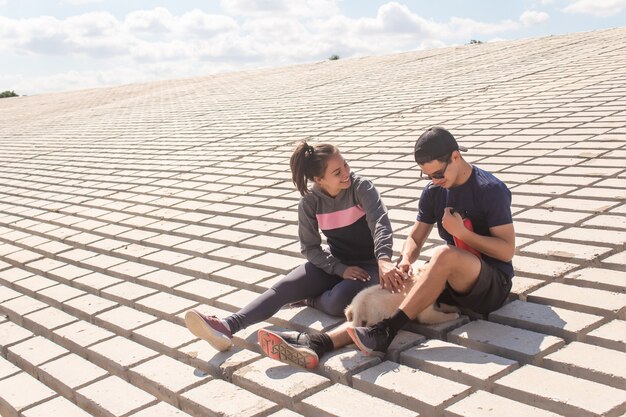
x: 468, y: 225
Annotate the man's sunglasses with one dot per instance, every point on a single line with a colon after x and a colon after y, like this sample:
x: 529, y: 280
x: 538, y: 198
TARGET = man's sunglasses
x: 435, y: 175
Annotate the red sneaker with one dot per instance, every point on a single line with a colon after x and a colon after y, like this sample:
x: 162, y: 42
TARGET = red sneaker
x: 289, y: 347
x: 209, y: 328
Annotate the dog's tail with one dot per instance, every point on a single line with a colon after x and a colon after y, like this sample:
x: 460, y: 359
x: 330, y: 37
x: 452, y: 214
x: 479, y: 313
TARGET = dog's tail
x: 348, y: 313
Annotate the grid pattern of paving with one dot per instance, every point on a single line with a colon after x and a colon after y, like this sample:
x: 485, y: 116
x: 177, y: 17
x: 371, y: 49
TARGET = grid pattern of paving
x: 121, y: 208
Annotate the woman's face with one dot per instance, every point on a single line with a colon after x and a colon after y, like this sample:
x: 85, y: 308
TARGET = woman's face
x: 336, y: 177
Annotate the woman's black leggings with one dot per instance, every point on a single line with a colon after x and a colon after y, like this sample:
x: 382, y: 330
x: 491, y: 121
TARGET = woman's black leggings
x: 328, y: 293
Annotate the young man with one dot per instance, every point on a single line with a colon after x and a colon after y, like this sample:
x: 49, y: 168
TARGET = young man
x: 474, y: 268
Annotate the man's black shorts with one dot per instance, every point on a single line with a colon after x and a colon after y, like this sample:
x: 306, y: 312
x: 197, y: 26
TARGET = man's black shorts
x: 488, y: 294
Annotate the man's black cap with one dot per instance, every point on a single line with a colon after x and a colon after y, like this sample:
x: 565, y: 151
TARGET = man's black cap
x: 435, y: 143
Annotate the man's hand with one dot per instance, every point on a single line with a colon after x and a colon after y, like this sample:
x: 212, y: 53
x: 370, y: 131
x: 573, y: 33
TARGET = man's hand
x: 453, y: 223
x: 391, y: 277
x: 354, y: 272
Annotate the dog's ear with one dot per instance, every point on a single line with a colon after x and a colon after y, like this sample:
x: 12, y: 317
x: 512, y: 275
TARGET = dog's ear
x: 348, y: 313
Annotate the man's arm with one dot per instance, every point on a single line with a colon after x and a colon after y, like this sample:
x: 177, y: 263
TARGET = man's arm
x: 414, y: 243
x: 500, y: 245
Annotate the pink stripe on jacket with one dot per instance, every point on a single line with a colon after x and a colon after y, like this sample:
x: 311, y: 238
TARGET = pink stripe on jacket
x: 341, y: 218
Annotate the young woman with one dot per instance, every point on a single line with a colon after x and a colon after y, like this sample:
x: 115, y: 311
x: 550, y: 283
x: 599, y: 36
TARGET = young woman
x: 348, y: 210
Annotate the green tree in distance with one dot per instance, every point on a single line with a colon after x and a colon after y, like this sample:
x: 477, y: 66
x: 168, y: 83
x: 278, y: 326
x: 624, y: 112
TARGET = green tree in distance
x: 8, y: 93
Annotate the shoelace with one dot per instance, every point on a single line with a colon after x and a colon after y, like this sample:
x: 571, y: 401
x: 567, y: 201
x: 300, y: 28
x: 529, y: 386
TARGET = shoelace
x: 380, y: 333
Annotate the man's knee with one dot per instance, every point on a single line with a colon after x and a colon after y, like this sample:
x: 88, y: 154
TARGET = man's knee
x: 445, y: 255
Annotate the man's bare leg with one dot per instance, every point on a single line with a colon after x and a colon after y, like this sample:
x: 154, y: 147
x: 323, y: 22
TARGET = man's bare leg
x: 449, y: 264
x: 459, y: 268
x: 339, y: 335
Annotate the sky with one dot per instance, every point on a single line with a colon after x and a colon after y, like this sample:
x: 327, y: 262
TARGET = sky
x: 60, y: 45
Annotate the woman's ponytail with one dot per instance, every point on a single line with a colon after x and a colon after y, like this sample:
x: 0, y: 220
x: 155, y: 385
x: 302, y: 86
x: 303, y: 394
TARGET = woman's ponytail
x: 308, y: 162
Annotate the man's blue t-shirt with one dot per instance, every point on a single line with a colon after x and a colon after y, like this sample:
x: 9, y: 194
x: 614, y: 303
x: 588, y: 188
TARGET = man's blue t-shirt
x: 485, y: 199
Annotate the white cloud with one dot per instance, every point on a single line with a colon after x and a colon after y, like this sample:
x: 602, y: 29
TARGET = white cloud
x: 532, y: 17
x: 601, y: 8
x: 158, y: 20
x: 81, y: 2
x: 281, y: 8
x: 266, y: 33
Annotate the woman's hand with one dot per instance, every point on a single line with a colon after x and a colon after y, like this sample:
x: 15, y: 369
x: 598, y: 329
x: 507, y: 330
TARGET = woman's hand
x: 391, y: 277
x: 354, y: 272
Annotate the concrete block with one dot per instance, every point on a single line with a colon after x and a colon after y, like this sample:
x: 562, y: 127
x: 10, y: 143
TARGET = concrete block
x: 202, y: 290
x: 278, y: 382
x: 164, y: 305
x: 102, y: 262
x: 485, y: 404
x: 95, y: 282
x: 164, y: 279
x: 410, y: 388
x: 522, y: 286
x: 7, y: 368
x: 88, y: 306
x: 11, y: 334
x: 11, y: 275
x: 7, y: 294
x: 541, y: 268
x: 199, y: 267
x: 123, y: 320
x: 33, y: 352
x: 567, y: 324
x: 32, y: 284
x: 595, y: 363
x: 58, y: 406
x: 248, y: 337
x: 79, y: 335
x: 241, y: 276
x: 341, y: 401
x: 130, y: 269
x: 118, y: 354
x: 565, y: 250
x: 561, y: 393
x: 436, y: 331
x: 218, y: 397
x: 68, y: 272
x: 68, y: 373
x: 43, y: 266
x: 285, y: 413
x: 163, y: 336
x: 44, y: 321
x: 276, y: 262
x: 236, y: 300
x: 165, y: 377
x: 235, y: 254
x: 457, y: 363
x: 113, y: 397
x: 23, y: 256
x: 160, y: 409
x: 341, y: 364
x: 518, y: 344
x: 127, y: 292
x: 219, y: 364
x: 599, y: 278
x: 304, y: 319
x: 20, y: 392
x: 16, y: 308
x: 611, y: 335
x: 587, y: 300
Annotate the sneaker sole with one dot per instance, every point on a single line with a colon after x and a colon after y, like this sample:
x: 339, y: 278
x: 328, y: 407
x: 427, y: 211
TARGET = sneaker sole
x: 277, y: 348
x: 196, y: 325
x: 357, y: 342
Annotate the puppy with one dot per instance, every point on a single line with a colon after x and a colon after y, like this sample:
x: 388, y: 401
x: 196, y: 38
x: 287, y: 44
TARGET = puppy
x: 374, y: 304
